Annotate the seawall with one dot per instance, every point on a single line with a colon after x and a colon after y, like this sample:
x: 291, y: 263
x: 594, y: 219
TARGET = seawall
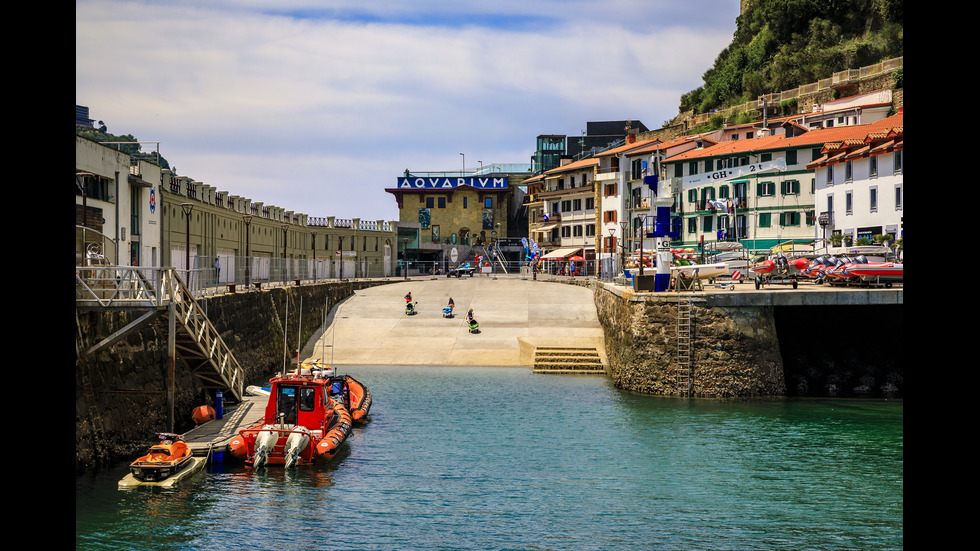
x: 812, y: 342
x: 121, y: 394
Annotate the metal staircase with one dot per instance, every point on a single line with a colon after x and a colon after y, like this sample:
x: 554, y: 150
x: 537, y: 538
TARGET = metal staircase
x: 169, y: 307
x: 684, y: 318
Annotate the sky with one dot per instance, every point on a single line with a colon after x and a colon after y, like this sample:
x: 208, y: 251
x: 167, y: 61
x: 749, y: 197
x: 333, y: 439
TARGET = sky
x: 318, y: 106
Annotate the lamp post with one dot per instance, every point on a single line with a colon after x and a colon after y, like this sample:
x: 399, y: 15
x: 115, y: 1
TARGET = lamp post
x: 405, y: 255
x: 284, y: 227
x: 187, y: 208
x: 612, y: 251
x: 639, y: 224
x: 464, y: 165
x: 340, y: 274
x: 622, y: 255
x: 313, y: 234
x: 248, y: 261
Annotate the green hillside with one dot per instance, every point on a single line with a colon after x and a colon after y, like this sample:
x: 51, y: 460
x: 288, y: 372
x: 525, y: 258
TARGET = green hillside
x: 782, y: 44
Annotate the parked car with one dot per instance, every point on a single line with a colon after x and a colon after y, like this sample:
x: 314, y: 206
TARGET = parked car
x: 460, y: 270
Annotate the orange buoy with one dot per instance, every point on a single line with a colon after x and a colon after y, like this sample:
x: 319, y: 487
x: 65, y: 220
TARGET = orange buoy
x: 203, y: 414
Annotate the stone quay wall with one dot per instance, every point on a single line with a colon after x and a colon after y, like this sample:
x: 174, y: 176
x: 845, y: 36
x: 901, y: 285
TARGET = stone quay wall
x: 121, y: 394
x: 821, y: 342
x: 734, y: 351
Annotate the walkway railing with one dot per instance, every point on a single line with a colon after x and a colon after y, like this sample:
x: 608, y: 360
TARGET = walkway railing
x: 170, y: 306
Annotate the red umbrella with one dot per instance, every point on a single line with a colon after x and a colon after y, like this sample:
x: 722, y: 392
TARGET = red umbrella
x: 576, y: 258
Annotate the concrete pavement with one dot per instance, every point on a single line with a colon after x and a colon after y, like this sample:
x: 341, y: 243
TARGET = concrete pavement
x: 515, y: 315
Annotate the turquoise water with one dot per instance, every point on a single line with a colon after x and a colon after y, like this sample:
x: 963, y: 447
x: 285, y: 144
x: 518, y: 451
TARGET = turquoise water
x: 501, y: 459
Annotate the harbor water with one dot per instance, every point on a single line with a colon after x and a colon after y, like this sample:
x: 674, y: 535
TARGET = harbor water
x: 504, y: 459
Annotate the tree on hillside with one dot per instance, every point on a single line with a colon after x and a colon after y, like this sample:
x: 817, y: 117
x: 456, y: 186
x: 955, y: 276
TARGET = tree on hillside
x: 781, y: 44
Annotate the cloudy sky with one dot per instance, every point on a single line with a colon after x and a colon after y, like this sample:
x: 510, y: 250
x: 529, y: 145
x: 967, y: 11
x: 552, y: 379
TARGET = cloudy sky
x: 318, y: 106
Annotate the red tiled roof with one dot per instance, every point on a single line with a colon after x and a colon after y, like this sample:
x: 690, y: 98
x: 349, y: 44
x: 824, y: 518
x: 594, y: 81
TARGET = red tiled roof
x: 571, y: 167
x: 625, y: 147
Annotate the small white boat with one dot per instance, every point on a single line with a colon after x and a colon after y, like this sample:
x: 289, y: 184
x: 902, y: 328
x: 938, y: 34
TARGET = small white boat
x: 703, y: 271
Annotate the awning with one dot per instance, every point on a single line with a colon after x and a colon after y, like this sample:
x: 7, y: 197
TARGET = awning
x: 561, y: 254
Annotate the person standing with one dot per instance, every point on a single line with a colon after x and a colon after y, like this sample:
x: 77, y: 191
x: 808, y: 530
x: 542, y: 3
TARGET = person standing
x: 217, y: 269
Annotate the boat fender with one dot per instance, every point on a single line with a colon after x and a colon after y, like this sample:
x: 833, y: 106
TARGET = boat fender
x: 237, y: 448
x: 202, y: 414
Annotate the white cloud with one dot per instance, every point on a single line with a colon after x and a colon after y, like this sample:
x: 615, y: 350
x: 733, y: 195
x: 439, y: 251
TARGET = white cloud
x: 318, y: 111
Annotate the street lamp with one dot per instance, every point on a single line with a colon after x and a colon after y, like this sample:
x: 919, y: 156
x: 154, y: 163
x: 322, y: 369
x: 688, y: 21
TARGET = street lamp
x: 313, y: 234
x: 405, y: 255
x: 248, y: 261
x: 612, y: 251
x: 187, y: 208
x: 622, y: 255
x: 464, y: 165
x: 341, y: 253
x: 284, y: 227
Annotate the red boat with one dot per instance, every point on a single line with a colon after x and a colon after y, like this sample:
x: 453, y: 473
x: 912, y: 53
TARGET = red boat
x: 303, y: 423
x: 877, y: 273
x: 359, y: 399
x: 779, y: 268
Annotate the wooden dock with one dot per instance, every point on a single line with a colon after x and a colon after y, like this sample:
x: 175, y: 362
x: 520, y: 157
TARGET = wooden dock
x: 215, y: 435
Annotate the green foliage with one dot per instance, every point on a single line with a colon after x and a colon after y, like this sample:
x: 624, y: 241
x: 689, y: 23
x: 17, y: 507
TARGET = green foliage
x: 781, y: 44
x: 134, y: 148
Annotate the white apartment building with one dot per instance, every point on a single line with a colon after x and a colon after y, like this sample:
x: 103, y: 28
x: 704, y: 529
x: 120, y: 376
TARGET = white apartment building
x: 860, y: 182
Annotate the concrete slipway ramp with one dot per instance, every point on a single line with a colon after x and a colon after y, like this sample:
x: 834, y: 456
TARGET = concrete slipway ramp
x: 515, y: 315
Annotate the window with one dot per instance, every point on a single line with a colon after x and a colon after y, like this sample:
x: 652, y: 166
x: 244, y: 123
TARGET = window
x: 442, y: 202
x: 873, y: 167
x: 610, y: 190
x: 488, y: 203
x: 791, y: 187
x: 609, y: 216
x: 830, y: 175
x: 789, y: 219
x: 566, y: 231
x: 765, y: 157
x: 307, y: 398
x: 590, y: 203
x: 723, y: 192
x: 708, y: 224
x: 765, y: 220
x: 692, y: 225
x: 577, y: 231
x: 576, y: 204
x: 464, y: 202
x: 873, y: 199
x: 791, y: 157
x: 589, y: 230
x: 429, y: 203
x: 692, y: 196
x: 765, y: 189
x: 898, y: 162
x: 848, y: 203
x: 848, y: 171
x: 566, y: 206
x: 898, y: 197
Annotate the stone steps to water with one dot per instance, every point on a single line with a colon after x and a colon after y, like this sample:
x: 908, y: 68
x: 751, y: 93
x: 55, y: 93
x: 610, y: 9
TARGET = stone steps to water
x: 567, y: 360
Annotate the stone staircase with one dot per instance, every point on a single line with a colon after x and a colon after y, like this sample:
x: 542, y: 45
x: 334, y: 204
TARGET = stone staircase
x: 568, y: 359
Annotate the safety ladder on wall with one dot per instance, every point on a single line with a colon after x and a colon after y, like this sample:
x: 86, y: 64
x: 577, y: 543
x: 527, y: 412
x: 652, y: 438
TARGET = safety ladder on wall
x: 684, y: 313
